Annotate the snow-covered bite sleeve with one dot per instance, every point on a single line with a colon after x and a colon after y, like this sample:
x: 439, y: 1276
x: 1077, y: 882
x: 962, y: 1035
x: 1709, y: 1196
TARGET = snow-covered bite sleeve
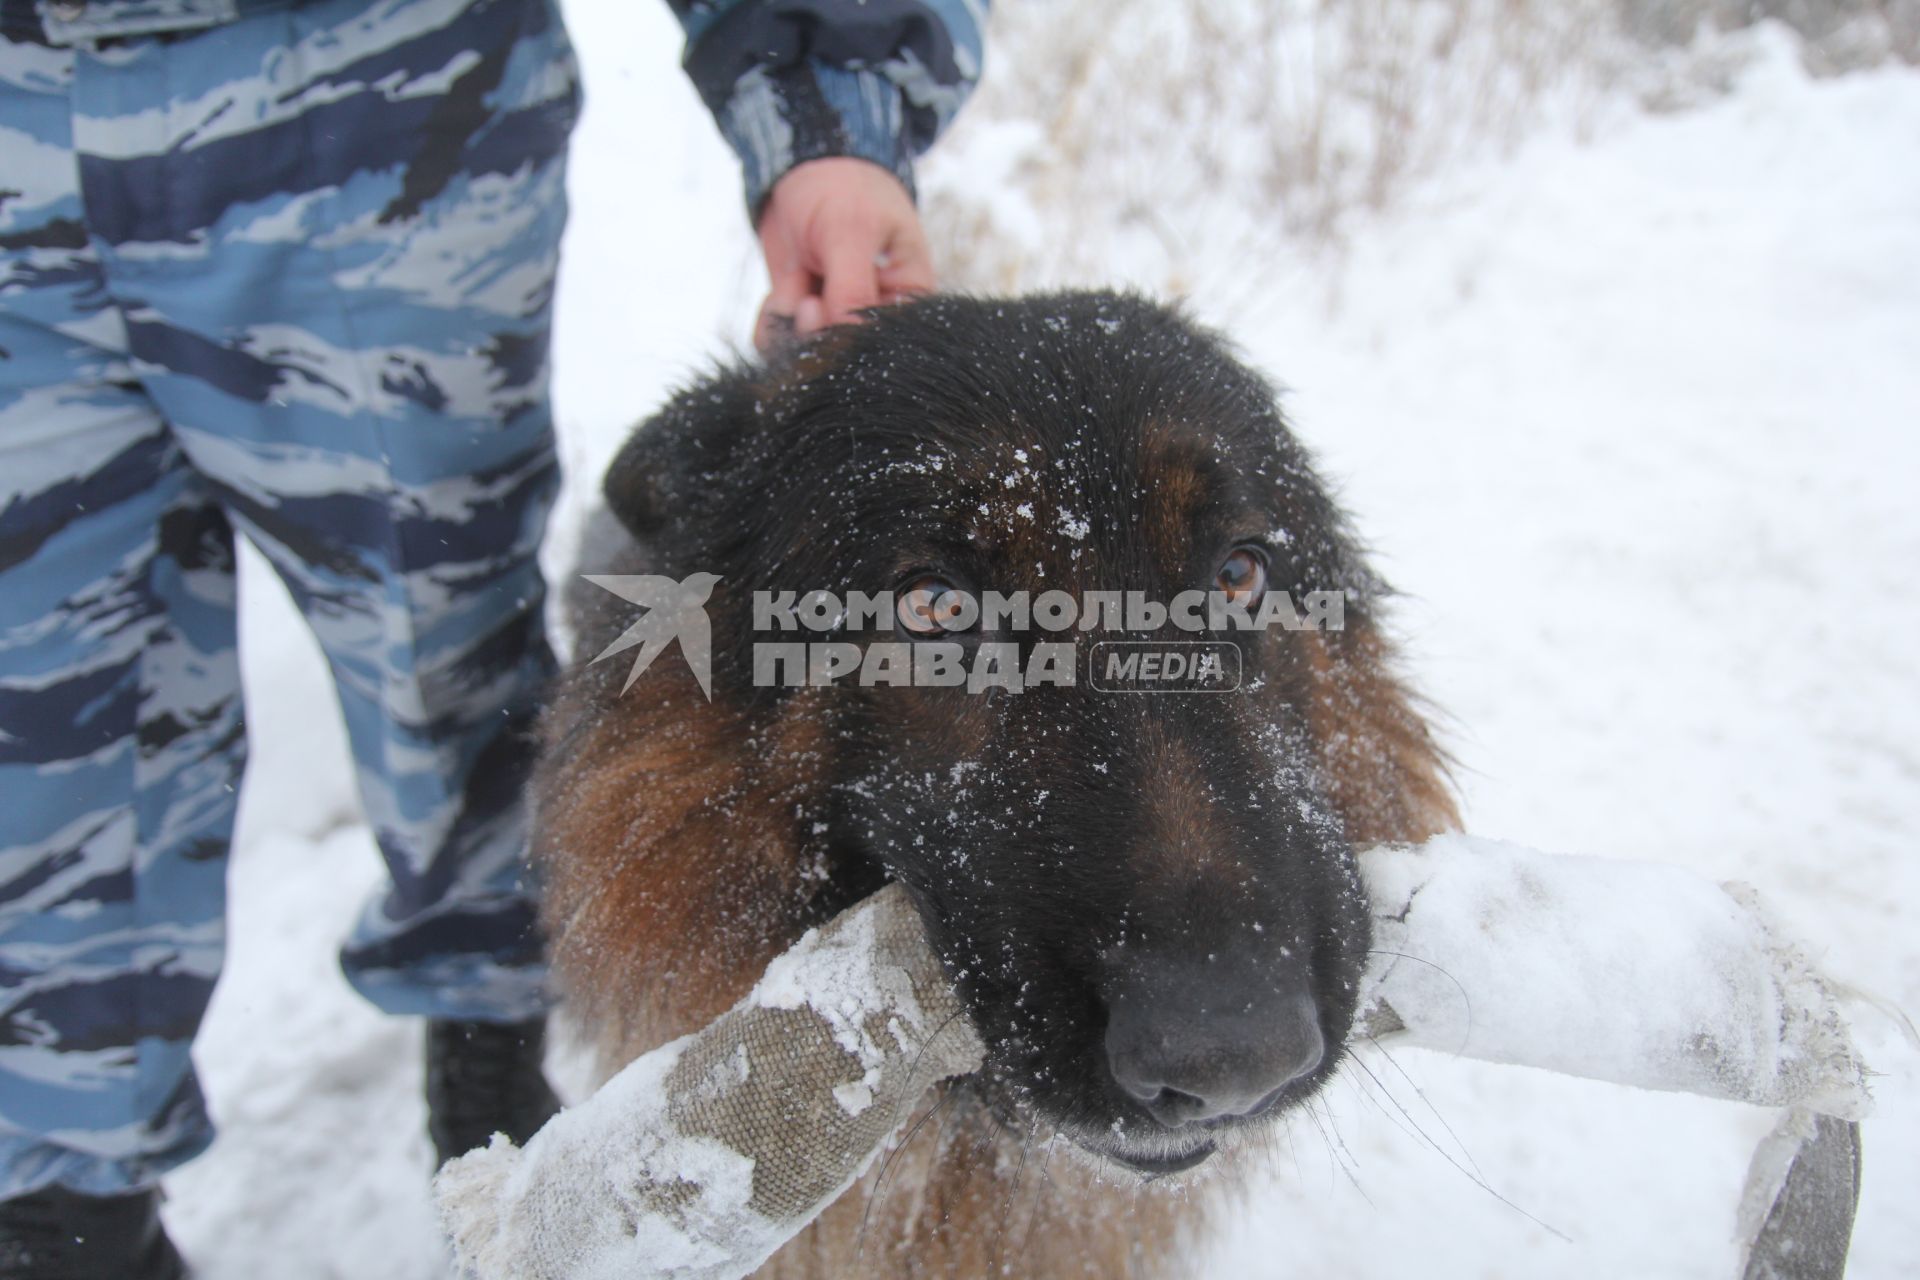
x: 795, y: 80
x: 701, y: 1158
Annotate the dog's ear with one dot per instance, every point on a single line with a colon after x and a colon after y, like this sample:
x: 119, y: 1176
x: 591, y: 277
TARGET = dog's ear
x: 677, y: 455
x: 689, y: 450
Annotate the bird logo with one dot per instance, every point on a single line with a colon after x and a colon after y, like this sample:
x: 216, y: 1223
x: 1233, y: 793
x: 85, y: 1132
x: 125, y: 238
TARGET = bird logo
x: 674, y: 610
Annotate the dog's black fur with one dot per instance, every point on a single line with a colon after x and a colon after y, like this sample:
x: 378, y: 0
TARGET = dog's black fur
x: 1070, y: 851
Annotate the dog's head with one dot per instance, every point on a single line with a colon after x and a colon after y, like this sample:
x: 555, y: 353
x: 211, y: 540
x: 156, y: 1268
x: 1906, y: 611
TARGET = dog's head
x: 1148, y: 900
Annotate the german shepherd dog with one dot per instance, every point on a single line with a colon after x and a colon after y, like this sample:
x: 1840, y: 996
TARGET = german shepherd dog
x: 1148, y: 904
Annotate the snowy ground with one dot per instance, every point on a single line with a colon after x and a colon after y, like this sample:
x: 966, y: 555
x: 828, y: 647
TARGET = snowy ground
x: 1633, y: 423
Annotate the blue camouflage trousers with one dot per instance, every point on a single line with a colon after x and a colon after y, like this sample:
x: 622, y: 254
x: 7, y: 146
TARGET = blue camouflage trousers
x: 289, y: 277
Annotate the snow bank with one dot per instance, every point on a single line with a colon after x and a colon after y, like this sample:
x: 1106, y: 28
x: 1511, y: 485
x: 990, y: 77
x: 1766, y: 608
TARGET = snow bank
x: 704, y: 1156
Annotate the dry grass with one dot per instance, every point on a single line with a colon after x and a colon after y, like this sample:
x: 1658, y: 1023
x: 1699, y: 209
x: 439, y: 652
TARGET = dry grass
x: 1127, y: 130
x: 1175, y: 144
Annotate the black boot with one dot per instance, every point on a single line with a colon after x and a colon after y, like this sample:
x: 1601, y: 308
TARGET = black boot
x: 57, y: 1234
x: 485, y: 1078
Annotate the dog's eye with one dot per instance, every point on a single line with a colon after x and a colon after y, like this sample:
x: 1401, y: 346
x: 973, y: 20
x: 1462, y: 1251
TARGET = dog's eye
x: 1243, y: 578
x: 930, y: 605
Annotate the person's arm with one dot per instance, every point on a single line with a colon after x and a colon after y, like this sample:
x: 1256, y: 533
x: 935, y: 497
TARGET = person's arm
x: 827, y: 103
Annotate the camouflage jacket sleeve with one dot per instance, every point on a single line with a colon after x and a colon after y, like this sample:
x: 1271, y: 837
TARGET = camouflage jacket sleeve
x: 795, y: 80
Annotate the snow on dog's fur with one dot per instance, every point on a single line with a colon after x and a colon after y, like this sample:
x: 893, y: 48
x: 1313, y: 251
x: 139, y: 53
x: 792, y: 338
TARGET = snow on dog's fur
x: 1147, y: 903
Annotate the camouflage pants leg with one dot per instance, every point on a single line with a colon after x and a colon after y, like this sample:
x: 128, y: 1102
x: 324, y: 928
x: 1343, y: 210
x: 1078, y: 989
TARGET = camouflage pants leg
x: 292, y: 277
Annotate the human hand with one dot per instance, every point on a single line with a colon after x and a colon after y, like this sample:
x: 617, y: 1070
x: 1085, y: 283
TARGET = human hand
x: 839, y: 234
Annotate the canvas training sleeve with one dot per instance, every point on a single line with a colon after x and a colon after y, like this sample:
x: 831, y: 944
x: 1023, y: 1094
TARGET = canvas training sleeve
x: 795, y: 80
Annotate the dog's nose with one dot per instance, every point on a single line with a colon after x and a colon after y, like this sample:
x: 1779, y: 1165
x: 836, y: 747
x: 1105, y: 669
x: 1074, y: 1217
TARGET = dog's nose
x: 1195, y: 1046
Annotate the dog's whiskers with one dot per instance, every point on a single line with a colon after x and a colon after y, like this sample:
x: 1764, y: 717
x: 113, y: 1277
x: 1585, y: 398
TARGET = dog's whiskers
x: 1372, y: 1099
x: 879, y: 1182
x: 1006, y: 1211
x: 1442, y: 970
x: 1341, y: 1158
x: 1293, y: 1149
x: 886, y: 1166
x: 1473, y: 1174
x: 1425, y: 1101
x: 1041, y: 1199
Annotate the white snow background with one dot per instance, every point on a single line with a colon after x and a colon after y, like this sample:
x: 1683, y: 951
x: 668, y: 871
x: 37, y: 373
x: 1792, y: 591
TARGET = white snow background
x: 1631, y: 411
